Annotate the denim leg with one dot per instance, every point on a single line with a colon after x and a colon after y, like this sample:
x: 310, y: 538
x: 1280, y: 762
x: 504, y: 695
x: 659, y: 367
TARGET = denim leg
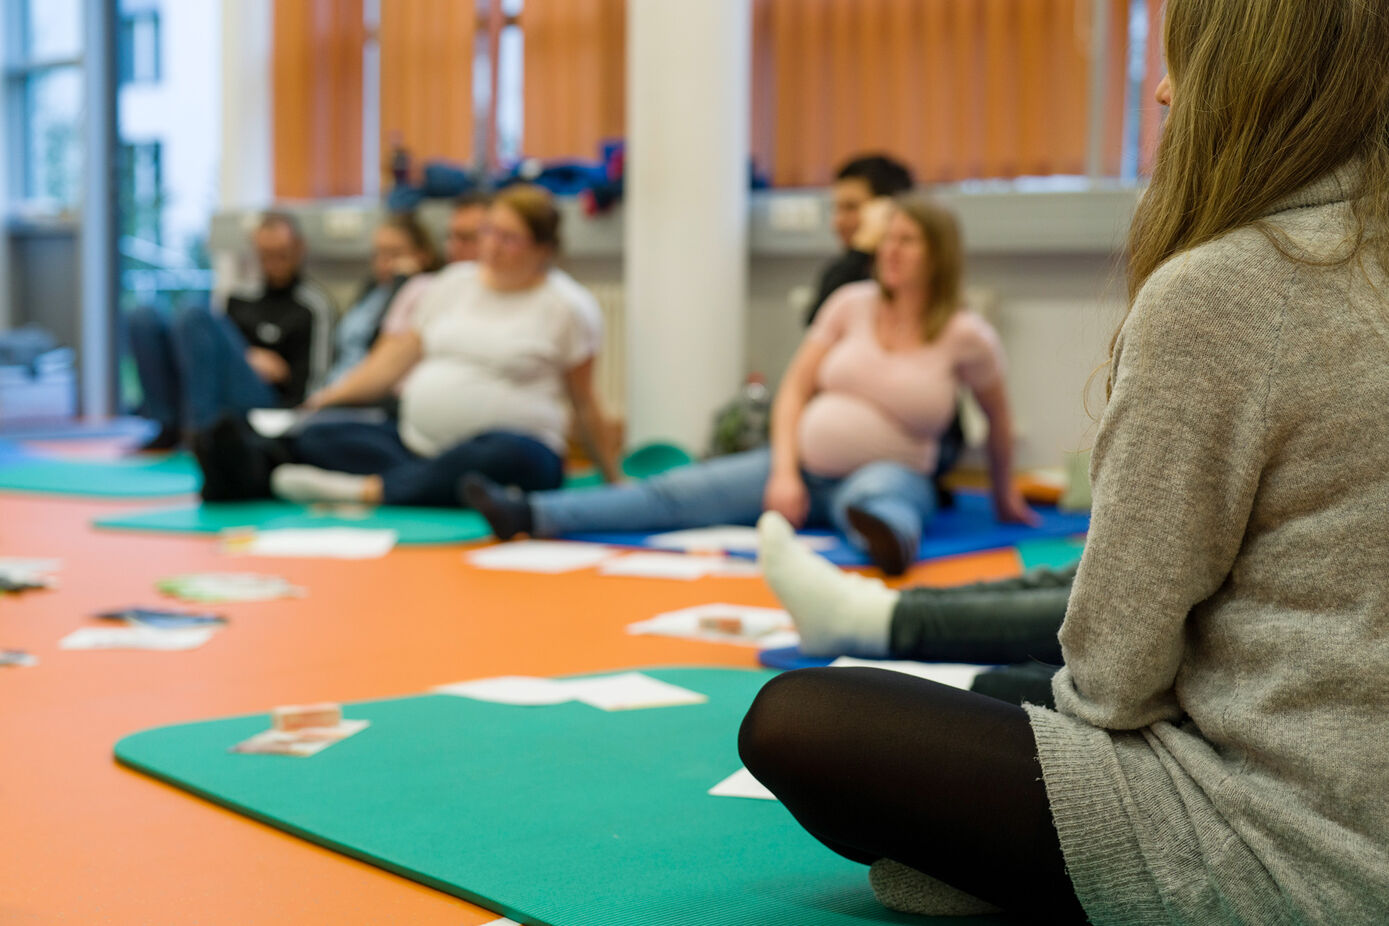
x: 900, y: 497
x: 501, y: 456
x: 217, y: 380
x: 153, y: 349
x: 352, y: 447
x: 724, y: 490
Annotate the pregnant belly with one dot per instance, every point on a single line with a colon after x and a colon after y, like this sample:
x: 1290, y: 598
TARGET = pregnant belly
x: 840, y: 432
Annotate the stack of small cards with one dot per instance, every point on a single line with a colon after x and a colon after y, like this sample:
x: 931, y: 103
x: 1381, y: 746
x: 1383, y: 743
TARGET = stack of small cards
x: 302, y: 730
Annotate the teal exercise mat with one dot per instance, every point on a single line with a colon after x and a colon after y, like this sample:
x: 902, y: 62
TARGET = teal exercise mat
x: 561, y: 816
x: 1052, y: 552
x: 415, y: 526
x: 175, y: 474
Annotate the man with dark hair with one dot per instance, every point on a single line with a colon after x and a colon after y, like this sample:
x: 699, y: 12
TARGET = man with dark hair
x: 268, y: 349
x: 858, y: 184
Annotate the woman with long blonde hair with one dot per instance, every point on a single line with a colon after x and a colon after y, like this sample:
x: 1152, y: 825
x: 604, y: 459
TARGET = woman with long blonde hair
x: 1217, y: 752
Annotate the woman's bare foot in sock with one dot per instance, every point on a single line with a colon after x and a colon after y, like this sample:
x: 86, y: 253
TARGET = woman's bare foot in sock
x: 838, y: 613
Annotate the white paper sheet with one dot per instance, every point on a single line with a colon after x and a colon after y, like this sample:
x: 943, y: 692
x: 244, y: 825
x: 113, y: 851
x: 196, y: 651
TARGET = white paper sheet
x: 511, y: 689
x: 956, y: 675
x: 546, y: 556
x: 661, y: 566
x: 318, y: 542
x: 211, y: 587
x: 631, y: 691
x: 742, y: 784
x: 137, y: 637
x: 621, y: 692
x: 723, y: 538
x: 304, y: 742
x: 765, y: 628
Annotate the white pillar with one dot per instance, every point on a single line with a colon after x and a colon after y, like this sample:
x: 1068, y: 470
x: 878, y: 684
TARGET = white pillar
x: 97, y: 242
x: 686, y: 209
x: 246, y: 104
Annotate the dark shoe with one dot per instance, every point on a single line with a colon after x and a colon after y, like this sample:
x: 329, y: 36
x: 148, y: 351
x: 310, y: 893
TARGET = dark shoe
x: 236, y: 461
x: 885, y: 548
x: 505, y: 509
x: 169, y: 437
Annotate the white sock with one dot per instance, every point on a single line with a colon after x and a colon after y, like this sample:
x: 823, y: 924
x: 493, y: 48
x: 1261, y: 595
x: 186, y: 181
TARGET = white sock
x: 837, y: 613
x: 296, y: 482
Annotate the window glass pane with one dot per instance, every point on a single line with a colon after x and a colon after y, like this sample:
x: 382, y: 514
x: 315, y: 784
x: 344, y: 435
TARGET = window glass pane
x: 510, y: 102
x: 53, y: 102
x: 55, y: 29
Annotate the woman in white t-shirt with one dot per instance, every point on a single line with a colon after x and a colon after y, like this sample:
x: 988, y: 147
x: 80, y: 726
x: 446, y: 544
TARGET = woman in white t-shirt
x: 856, y: 424
x: 498, y: 355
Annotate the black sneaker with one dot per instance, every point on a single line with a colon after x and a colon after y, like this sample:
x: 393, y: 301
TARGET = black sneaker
x: 885, y: 548
x: 236, y: 461
x: 506, y: 510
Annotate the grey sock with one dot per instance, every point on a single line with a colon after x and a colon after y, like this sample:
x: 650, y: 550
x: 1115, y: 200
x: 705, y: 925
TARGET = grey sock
x: 295, y: 482
x: 906, y: 890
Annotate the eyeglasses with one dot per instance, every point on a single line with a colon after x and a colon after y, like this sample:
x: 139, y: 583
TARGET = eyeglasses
x: 504, y: 236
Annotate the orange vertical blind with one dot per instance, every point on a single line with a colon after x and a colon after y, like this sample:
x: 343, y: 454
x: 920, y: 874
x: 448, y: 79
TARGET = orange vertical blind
x: 427, y: 51
x: 575, y: 76
x: 957, y: 88
x: 316, y: 62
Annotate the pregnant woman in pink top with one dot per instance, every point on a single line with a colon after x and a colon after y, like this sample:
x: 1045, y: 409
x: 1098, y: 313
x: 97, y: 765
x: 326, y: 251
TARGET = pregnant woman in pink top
x: 855, y: 427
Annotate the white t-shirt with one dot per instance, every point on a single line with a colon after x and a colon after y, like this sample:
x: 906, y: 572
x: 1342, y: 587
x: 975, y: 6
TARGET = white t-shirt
x: 495, y: 360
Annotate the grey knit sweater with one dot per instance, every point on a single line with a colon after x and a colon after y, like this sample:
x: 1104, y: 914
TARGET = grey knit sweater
x: 1220, y: 749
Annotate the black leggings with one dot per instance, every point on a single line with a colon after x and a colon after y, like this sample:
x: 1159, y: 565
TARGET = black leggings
x: 879, y: 764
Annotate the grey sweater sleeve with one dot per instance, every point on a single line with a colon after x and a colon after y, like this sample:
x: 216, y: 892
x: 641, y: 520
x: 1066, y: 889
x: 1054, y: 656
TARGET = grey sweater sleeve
x: 1175, y: 468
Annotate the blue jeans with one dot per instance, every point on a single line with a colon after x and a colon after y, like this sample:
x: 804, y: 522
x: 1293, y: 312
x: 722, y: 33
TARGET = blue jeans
x: 729, y: 489
x: 410, y: 479
x: 193, y: 370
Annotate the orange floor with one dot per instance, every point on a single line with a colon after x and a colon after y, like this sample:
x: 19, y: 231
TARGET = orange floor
x: 83, y: 841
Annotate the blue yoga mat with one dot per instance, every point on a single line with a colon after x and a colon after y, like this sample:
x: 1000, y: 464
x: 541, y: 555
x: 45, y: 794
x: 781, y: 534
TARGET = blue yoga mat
x: 969, y: 527
x: 563, y: 815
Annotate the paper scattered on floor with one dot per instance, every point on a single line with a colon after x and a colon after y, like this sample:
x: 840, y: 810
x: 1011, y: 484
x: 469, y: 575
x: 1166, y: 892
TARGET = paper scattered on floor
x: 523, y: 690
x: 621, y: 692
x: 17, y: 657
x: 724, y: 538
x: 956, y: 675
x: 742, y: 784
x: 318, y: 542
x: 163, y: 619
x: 546, y: 556
x: 677, y: 566
x: 17, y: 575
x: 306, y: 741
x: 764, y: 628
x: 208, y: 587
x: 137, y: 637
x: 630, y: 691
x: 501, y: 922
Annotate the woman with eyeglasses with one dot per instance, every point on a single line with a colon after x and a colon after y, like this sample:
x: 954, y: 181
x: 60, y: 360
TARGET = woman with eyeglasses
x: 497, y: 358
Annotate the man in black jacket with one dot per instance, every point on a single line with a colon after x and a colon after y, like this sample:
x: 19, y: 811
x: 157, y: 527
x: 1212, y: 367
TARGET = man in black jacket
x: 268, y: 349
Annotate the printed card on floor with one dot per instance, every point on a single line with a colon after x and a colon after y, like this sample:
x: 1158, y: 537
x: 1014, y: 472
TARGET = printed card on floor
x: 22, y: 575
x: 742, y: 784
x: 17, y: 657
x: 724, y: 538
x: 631, y: 691
x: 315, y: 542
x: 212, y: 587
x: 306, y: 741
x: 765, y: 628
x: 956, y: 675
x: 163, y: 619
x: 544, y: 556
x: 137, y: 637
x: 520, y: 690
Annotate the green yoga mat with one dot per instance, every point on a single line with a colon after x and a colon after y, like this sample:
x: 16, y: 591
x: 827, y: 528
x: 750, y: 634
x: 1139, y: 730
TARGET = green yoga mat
x: 1056, y: 553
x: 413, y: 525
x: 563, y: 815
x: 176, y: 474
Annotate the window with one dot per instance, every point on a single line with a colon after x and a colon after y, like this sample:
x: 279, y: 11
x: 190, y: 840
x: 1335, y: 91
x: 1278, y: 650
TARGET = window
x: 137, y: 47
x: 44, y: 90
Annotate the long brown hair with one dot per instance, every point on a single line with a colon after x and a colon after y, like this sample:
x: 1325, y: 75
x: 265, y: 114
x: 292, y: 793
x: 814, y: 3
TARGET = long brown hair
x: 537, y: 210
x: 945, y: 254
x: 409, y: 225
x: 1268, y: 95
